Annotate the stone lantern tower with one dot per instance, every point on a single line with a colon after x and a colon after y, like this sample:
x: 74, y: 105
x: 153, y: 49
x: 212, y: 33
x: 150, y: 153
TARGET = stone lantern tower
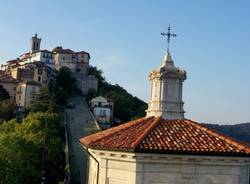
x: 166, y: 90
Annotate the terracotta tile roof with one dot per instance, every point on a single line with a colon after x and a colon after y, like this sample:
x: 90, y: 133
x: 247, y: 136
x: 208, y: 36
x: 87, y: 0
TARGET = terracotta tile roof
x: 44, y: 50
x: 82, y: 52
x: 59, y: 49
x: 156, y: 135
x: 12, y: 61
x: 62, y: 50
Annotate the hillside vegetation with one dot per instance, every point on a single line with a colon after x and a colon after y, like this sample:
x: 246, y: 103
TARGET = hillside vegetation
x: 239, y: 132
x: 126, y: 106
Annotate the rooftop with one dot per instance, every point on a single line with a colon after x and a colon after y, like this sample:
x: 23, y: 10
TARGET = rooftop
x: 156, y: 135
x: 60, y: 49
x: 4, y: 77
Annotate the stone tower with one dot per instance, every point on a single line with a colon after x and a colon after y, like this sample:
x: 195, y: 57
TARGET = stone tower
x: 166, y: 90
x: 35, y: 44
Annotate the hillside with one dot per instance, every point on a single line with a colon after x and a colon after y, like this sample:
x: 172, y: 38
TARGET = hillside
x: 126, y: 106
x: 239, y: 132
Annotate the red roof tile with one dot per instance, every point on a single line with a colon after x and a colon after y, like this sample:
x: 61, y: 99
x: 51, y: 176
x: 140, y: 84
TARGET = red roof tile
x: 62, y: 50
x: 156, y: 135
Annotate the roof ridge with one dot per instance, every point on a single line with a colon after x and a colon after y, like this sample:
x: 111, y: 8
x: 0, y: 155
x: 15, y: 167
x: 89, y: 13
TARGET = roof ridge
x: 146, y: 132
x: 116, y: 129
x: 226, y: 138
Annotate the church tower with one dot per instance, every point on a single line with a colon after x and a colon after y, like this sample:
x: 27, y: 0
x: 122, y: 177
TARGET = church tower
x: 35, y: 44
x: 166, y: 89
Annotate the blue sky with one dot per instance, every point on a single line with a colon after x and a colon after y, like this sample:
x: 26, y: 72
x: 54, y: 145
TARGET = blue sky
x: 123, y: 38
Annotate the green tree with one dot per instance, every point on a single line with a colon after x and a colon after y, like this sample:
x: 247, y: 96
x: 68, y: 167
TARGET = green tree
x: 66, y: 81
x: 7, y: 109
x: 43, y: 101
x: 92, y: 93
x: 23, y: 145
x: 4, y: 94
x: 93, y: 70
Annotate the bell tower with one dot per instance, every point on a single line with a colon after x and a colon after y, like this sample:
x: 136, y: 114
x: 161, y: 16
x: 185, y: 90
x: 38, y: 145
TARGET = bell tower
x: 35, y: 44
x: 166, y: 89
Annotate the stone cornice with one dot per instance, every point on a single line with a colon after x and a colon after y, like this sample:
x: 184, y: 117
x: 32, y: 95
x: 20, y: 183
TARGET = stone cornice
x: 168, y: 73
x: 170, y: 158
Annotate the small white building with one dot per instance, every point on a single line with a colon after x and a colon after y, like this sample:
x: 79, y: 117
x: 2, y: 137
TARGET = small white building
x: 164, y: 147
x: 103, y: 111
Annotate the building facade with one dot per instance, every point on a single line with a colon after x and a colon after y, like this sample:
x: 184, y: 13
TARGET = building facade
x: 25, y: 91
x: 78, y: 63
x: 39, y: 66
x: 115, y: 167
x: 103, y: 111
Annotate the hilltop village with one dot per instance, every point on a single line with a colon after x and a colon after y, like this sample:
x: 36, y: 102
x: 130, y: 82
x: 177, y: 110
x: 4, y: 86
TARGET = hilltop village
x: 25, y: 75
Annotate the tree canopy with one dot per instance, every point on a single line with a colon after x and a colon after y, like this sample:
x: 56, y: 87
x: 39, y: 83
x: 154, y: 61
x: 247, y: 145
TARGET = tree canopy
x: 22, y: 146
x: 4, y: 94
x: 44, y: 101
x: 6, y: 105
x: 66, y: 81
x: 7, y: 109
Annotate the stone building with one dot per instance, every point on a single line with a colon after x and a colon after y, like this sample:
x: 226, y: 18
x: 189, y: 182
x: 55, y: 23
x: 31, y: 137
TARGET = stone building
x: 21, y: 81
x: 78, y: 63
x: 24, y: 92
x: 164, y: 147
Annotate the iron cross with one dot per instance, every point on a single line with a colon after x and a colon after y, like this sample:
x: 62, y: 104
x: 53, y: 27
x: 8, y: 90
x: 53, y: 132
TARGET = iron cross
x: 168, y: 34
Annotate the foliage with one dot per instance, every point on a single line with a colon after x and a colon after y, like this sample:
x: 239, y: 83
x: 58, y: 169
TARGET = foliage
x: 66, y: 81
x: 6, y: 106
x: 43, y: 101
x: 22, y: 145
x: 126, y: 106
x: 239, y: 132
x: 4, y: 94
x: 93, y: 70
x: 54, y: 96
x: 7, y: 109
x: 91, y: 94
x: 61, y: 97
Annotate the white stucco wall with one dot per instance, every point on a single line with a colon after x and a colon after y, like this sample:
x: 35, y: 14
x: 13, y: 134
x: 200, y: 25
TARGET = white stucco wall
x: 129, y: 168
x: 45, y: 57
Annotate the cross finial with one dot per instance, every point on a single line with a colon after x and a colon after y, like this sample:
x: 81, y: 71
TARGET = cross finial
x: 168, y: 34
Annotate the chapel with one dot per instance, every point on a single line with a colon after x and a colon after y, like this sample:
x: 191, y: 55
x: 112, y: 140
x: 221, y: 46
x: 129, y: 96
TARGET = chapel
x: 164, y: 147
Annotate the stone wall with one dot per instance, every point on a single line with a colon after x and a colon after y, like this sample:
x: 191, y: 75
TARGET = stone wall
x: 129, y: 168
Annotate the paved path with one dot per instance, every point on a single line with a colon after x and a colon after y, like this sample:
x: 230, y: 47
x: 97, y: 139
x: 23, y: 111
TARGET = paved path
x: 80, y: 124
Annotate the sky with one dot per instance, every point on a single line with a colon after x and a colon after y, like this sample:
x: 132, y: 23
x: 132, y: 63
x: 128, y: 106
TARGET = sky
x: 123, y: 38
